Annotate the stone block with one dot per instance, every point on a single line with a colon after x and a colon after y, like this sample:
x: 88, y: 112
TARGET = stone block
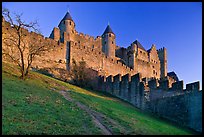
x: 193, y: 86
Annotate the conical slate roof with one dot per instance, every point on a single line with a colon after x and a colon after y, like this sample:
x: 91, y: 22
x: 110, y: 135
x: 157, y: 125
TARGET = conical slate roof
x: 173, y: 75
x: 67, y: 17
x: 108, y: 30
x: 139, y: 45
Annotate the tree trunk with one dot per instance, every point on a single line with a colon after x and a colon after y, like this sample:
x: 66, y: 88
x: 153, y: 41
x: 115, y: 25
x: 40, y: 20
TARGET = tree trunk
x: 22, y: 75
x: 27, y: 70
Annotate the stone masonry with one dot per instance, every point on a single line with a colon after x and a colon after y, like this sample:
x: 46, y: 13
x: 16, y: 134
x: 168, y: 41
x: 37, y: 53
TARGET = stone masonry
x: 182, y: 106
x: 134, y: 74
x: 103, y: 55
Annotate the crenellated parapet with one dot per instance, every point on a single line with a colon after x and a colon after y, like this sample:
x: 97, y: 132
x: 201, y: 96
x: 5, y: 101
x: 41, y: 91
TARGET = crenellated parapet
x: 116, y: 85
x: 164, y: 84
x: 53, y: 58
x: 109, y: 84
x: 153, y: 83
x: 177, y: 86
x: 183, y: 106
x: 193, y: 86
x: 162, y: 53
x: 127, y: 87
x: 152, y: 89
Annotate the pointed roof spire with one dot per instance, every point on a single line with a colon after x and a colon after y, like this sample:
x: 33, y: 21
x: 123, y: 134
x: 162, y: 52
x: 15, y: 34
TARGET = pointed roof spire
x: 68, y: 8
x: 108, y: 29
x: 67, y: 17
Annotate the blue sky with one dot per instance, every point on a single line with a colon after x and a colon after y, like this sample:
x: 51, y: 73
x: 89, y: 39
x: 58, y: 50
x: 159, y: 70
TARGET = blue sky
x: 174, y: 25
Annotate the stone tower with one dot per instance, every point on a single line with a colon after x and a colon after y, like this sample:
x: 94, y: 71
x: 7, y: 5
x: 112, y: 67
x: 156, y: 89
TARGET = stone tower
x: 67, y: 28
x: 163, y: 61
x: 131, y: 56
x: 108, y: 42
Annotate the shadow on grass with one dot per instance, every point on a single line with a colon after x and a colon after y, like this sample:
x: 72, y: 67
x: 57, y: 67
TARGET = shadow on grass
x: 104, y: 95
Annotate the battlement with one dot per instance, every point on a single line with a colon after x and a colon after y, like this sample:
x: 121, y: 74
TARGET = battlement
x: 127, y: 87
x: 98, y: 38
x: 178, y: 104
x: 86, y: 36
x: 161, y: 49
x: 155, y: 84
x: 177, y: 86
x: 193, y: 86
x: 147, y: 92
x: 54, y: 57
x: 34, y: 35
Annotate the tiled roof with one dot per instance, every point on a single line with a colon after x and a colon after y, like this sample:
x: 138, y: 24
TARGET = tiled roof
x: 67, y: 17
x: 139, y: 45
x: 108, y: 30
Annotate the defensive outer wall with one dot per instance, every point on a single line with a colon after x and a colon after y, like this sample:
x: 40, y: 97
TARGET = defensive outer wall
x: 167, y: 100
x: 54, y: 58
x: 183, y: 106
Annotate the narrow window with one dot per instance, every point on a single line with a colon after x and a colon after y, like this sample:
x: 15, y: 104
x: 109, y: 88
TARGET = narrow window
x: 153, y: 71
x: 64, y: 22
x: 70, y: 23
x: 105, y: 42
x: 112, y: 42
x: 109, y: 35
x: 140, y: 51
x: 153, y: 66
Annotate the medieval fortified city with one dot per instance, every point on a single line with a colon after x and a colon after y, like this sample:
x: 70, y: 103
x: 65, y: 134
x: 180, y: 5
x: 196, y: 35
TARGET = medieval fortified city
x: 134, y: 74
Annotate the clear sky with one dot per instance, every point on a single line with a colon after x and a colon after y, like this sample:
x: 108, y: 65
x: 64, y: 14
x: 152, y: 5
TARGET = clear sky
x: 174, y: 25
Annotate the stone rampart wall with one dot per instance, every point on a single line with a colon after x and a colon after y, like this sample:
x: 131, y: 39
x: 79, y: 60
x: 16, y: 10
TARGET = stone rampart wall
x: 183, y: 106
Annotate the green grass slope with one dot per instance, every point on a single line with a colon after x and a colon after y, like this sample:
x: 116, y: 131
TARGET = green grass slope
x: 33, y: 107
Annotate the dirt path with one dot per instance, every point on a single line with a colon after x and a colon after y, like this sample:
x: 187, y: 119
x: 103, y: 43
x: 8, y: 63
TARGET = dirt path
x: 96, y: 116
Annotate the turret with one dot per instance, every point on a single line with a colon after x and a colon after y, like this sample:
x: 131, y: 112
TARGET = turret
x: 108, y: 42
x: 67, y: 25
x: 163, y: 61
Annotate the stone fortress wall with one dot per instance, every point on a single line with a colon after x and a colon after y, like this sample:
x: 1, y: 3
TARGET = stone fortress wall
x: 102, y: 54
x: 127, y: 75
x: 183, y: 106
x: 54, y: 58
x: 97, y: 60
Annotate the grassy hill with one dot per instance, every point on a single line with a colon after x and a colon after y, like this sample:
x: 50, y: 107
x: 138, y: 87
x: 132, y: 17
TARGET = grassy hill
x: 43, y: 105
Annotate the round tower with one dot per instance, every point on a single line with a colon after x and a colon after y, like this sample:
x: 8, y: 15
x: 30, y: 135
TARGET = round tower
x: 108, y: 42
x: 67, y: 25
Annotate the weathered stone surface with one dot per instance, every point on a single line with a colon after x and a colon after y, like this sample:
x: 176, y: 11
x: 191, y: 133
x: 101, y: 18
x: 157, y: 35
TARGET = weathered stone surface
x: 116, y: 65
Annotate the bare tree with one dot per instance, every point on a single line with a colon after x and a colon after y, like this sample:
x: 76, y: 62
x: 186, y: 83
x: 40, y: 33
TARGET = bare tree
x: 79, y: 73
x: 19, y: 45
x: 82, y: 75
